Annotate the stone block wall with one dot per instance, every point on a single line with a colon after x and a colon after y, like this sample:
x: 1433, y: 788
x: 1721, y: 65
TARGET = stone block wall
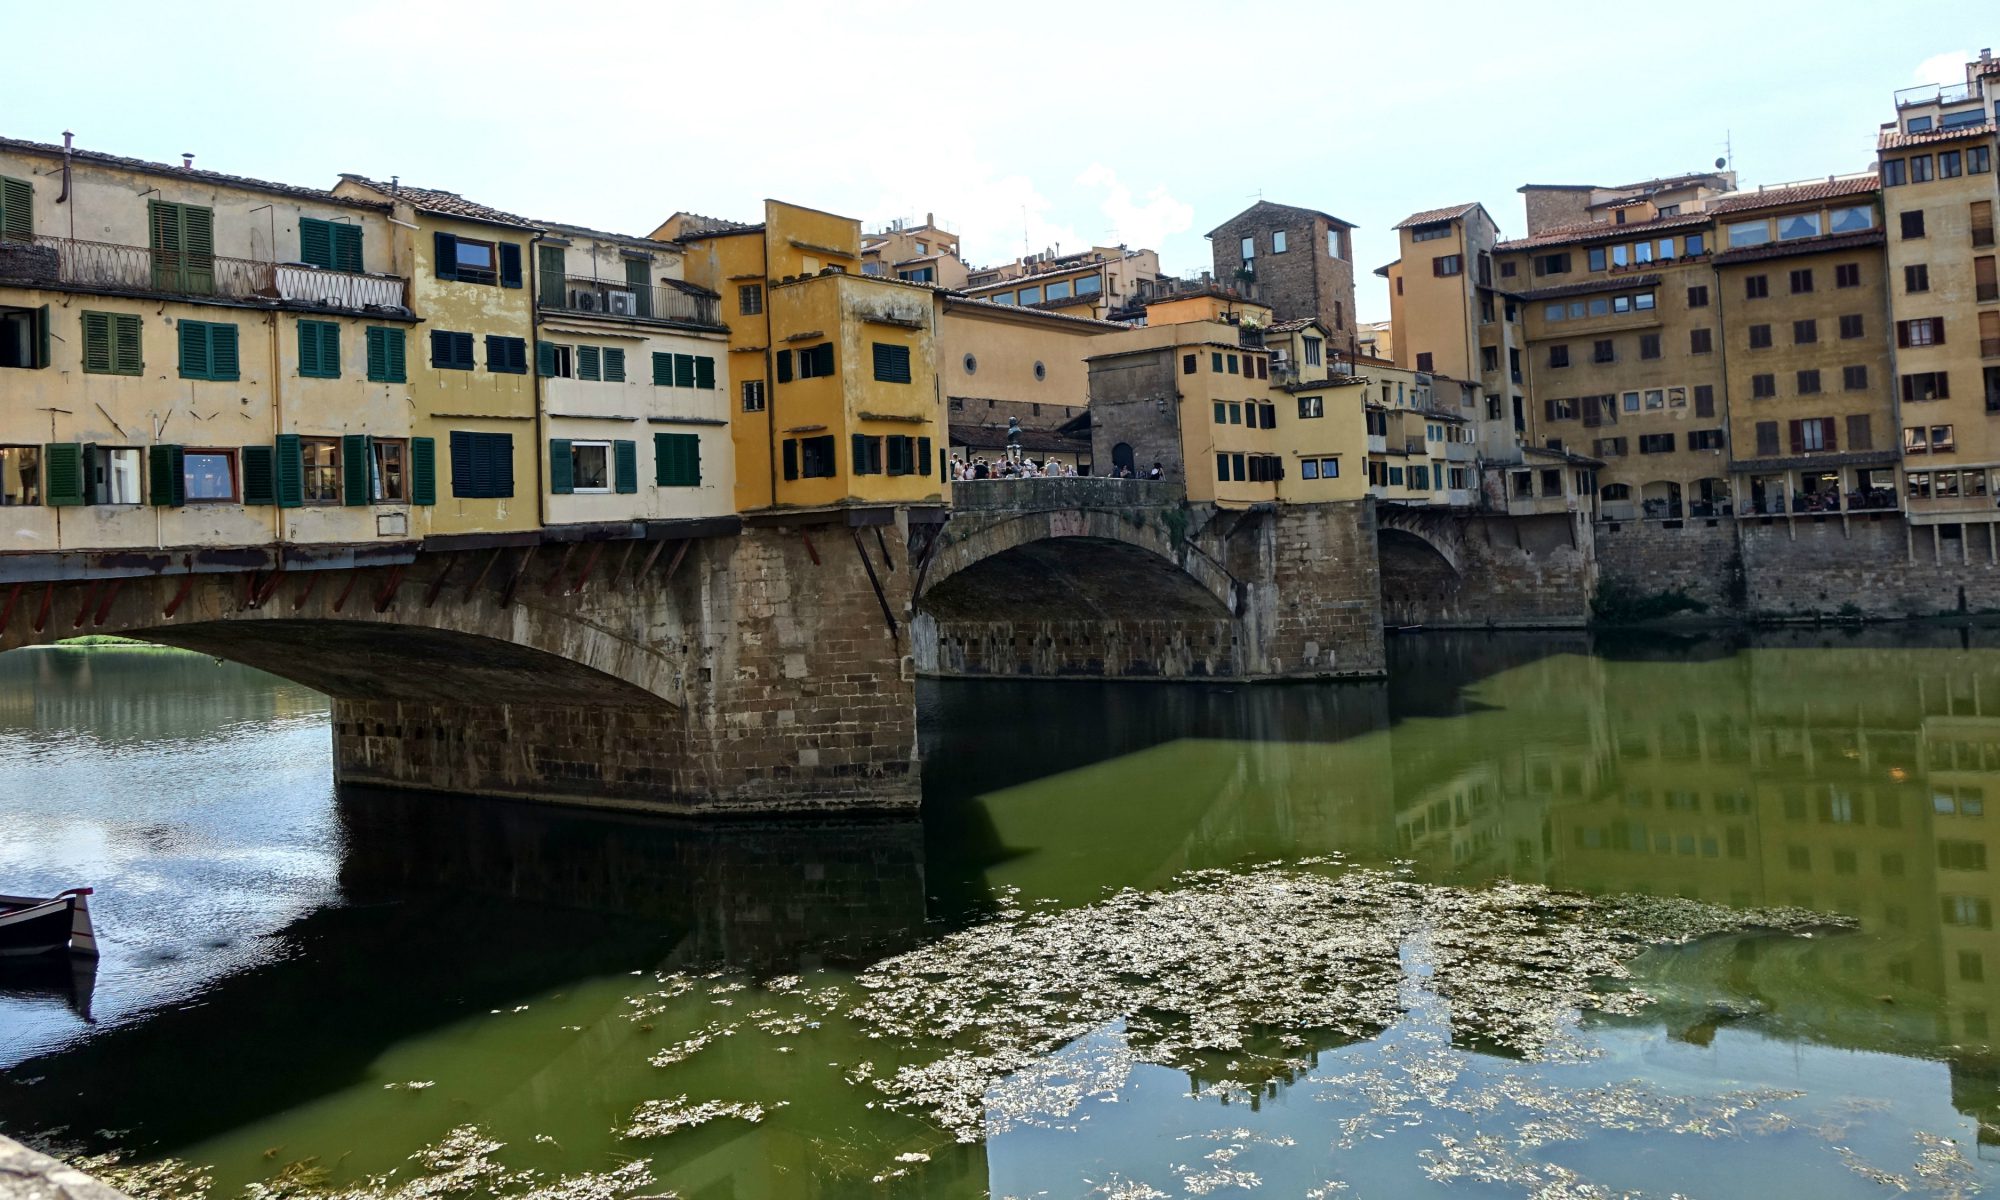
x: 1312, y: 591
x: 1126, y: 649
x: 1446, y: 570
x: 1883, y: 566
x: 1700, y: 558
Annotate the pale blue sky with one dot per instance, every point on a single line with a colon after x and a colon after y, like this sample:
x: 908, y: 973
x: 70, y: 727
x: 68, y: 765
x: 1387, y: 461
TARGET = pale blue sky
x: 1018, y: 123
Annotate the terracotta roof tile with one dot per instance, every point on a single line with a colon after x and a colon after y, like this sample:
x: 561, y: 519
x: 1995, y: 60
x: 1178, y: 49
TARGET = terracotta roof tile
x: 1293, y: 326
x: 1592, y: 230
x: 443, y: 204
x: 319, y: 195
x: 1611, y: 283
x: 1890, y: 139
x: 1799, y: 193
x: 1818, y: 245
x: 1432, y: 216
x: 1271, y: 205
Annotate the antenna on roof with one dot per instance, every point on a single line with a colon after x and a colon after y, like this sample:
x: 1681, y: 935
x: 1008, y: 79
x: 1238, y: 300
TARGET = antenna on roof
x: 1728, y: 159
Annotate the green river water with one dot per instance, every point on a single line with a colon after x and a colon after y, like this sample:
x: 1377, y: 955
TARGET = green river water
x: 1542, y: 916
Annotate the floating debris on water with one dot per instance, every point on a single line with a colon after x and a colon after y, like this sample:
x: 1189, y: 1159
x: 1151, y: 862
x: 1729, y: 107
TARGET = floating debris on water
x: 657, y: 1118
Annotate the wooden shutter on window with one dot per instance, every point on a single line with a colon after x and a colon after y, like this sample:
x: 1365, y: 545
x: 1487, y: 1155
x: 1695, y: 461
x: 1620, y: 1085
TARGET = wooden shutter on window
x: 288, y: 471
x: 663, y: 369
x: 1767, y: 438
x: 614, y: 364
x: 260, y: 485
x: 587, y: 363
x: 784, y: 367
x: 684, y: 370
x: 861, y: 454
x: 562, y: 467
x: 444, y: 256
x: 423, y: 470
x: 96, y: 341
x: 165, y: 464
x: 222, y: 356
x: 316, y: 241
x: 1797, y: 431
x: 347, y: 247
x: 704, y: 373
x: 126, y: 358
x: 625, y: 466
x: 356, y: 469
x: 1829, y: 433
x: 17, y: 209
x: 510, y: 264
x: 194, y: 350
x: 62, y: 474
x: 823, y: 358
x: 551, y: 283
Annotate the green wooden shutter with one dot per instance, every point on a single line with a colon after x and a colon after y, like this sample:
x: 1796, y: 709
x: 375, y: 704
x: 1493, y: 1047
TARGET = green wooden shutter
x: 194, y: 350
x: 861, y: 454
x: 378, y: 354
x: 614, y: 364
x: 684, y: 370
x: 97, y: 342
x: 223, y: 362
x: 625, y: 466
x: 663, y: 369
x: 164, y: 225
x: 704, y: 372
x: 17, y: 209
x: 923, y: 466
x: 42, y: 335
x: 62, y: 473
x: 444, y: 256
x: 545, y: 359
x: 288, y: 472
x: 127, y: 349
x: 510, y: 264
x: 587, y: 362
x: 823, y: 359
x: 347, y: 247
x: 551, y: 283
x: 423, y: 470
x: 316, y: 241
x: 791, y: 458
x: 356, y: 470
x: 639, y: 277
x: 260, y: 485
x: 309, y: 349
x: 329, y: 349
x: 691, y: 459
x: 562, y: 468
x: 198, y: 230
x: 784, y: 366
x: 166, y: 465
x: 677, y: 459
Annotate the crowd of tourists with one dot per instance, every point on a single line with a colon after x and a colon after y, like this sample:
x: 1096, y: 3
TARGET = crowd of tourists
x: 978, y: 467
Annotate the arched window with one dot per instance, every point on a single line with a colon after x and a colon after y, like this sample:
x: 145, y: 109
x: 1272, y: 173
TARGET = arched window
x: 1617, y: 491
x: 1121, y: 456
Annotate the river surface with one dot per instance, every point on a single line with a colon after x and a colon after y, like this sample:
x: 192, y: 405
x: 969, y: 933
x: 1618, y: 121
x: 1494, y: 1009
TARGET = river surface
x: 1144, y: 941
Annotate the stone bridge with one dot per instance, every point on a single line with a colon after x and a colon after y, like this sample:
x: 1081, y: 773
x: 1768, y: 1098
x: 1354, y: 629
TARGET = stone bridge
x: 696, y: 666
x: 1445, y: 568
x: 1058, y: 578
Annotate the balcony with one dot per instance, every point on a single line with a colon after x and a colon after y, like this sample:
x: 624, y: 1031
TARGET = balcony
x: 618, y: 300
x: 110, y: 267
x: 1933, y: 93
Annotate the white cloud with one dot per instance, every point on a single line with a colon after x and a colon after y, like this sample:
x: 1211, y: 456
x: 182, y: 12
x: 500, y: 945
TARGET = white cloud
x: 1149, y: 222
x: 1948, y: 67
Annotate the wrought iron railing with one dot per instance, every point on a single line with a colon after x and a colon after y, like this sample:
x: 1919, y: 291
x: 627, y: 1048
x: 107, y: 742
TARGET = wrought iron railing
x: 74, y: 262
x: 616, y: 298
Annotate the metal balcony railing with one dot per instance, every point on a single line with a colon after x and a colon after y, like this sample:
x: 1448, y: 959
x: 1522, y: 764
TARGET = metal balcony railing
x: 630, y: 301
x: 74, y: 262
x: 1935, y: 93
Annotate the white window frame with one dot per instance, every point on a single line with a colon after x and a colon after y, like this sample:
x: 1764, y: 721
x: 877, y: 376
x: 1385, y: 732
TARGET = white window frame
x: 602, y: 447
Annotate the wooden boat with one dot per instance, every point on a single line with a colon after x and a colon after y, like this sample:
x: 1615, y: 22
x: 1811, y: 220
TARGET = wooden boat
x: 31, y: 926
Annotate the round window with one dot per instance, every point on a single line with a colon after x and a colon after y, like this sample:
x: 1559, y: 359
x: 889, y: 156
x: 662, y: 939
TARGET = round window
x: 1041, y: 372
x: 971, y: 365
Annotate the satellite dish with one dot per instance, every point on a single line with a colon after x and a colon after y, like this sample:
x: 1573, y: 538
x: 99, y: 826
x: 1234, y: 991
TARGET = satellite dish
x: 1721, y: 163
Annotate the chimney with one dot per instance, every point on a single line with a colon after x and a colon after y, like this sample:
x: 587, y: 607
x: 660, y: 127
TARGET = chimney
x: 930, y: 219
x: 187, y: 160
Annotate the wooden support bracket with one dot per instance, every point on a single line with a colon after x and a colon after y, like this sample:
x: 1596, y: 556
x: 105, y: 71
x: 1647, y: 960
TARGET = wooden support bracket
x: 882, y: 544
x: 7, y: 612
x: 48, y: 598
x: 881, y: 597
x: 305, y: 593
x: 589, y: 563
x: 89, y: 602
x: 386, y: 594
x: 807, y: 539
x: 104, y: 607
x: 561, y: 571
x: 437, y: 585
x: 346, y: 591
x: 180, y: 596
x: 492, y: 561
x: 514, y: 580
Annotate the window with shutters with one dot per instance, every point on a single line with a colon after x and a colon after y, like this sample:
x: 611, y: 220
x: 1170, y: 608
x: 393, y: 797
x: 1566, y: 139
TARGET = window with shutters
x: 208, y: 475
x: 1802, y: 280
x: 750, y: 299
x: 1701, y: 341
x: 1852, y: 326
x: 1767, y: 438
x: 892, y: 363
x: 867, y: 455
x: 1603, y: 351
x: 1917, y: 277
x: 1649, y: 345
x: 320, y: 478
x: 1760, y: 337
x: 589, y: 363
x: 1860, y: 435
x: 1926, y: 385
x: 1854, y: 379
x: 24, y: 337
x: 111, y: 344
x: 334, y: 245
x: 1847, y: 275
x: 1913, y: 223
x: 386, y: 355
x: 319, y: 349
x: 1805, y: 332
x: 1763, y: 387
x: 207, y: 350
x: 614, y: 364
x: 1705, y: 439
x: 815, y: 362
x: 753, y: 395
x: 389, y: 470
x: 677, y: 459
x: 1704, y: 400
x: 482, y: 464
x: 17, y: 209
x: 1698, y: 296
x: 816, y: 457
x: 1813, y: 435
x: 1808, y: 382
x: 1559, y: 356
x: 469, y: 260
x: 1656, y: 443
x: 590, y: 467
x: 20, y: 475
x: 1923, y: 331
x: 1756, y: 287
x: 556, y: 361
x: 112, y: 475
x: 183, y: 247
x: 1985, y: 280
x: 506, y: 355
x: 451, y: 350
x: 686, y: 371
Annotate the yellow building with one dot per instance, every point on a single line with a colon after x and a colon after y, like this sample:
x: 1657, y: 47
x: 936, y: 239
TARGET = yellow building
x: 634, y: 368
x: 848, y: 363
x: 1103, y: 282
x: 915, y: 253
x: 189, y: 358
x: 1939, y: 196
x: 1800, y: 299
x: 471, y: 380
x: 1002, y: 362
x: 1198, y: 397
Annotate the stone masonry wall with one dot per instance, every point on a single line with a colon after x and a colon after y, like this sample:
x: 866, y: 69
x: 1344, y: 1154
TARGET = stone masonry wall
x: 1312, y: 589
x: 1700, y: 558
x: 1129, y: 649
x: 1450, y: 571
x: 794, y: 696
x: 1885, y: 567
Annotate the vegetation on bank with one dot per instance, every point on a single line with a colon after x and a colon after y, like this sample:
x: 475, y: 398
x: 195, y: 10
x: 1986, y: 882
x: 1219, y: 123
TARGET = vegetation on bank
x: 1615, y: 603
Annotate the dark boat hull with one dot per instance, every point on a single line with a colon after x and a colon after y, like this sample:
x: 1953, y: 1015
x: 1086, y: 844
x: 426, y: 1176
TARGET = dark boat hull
x: 42, y: 929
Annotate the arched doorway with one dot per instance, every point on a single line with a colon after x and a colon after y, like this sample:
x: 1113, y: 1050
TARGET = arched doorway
x: 1121, y: 458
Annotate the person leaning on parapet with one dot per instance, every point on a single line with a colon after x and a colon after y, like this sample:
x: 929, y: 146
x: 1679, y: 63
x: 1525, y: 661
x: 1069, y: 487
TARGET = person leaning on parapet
x: 1156, y: 472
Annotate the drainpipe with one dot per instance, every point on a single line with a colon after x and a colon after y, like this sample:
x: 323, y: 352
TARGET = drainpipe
x: 534, y: 282
x: 278, y: 518
x: 770, y: 373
